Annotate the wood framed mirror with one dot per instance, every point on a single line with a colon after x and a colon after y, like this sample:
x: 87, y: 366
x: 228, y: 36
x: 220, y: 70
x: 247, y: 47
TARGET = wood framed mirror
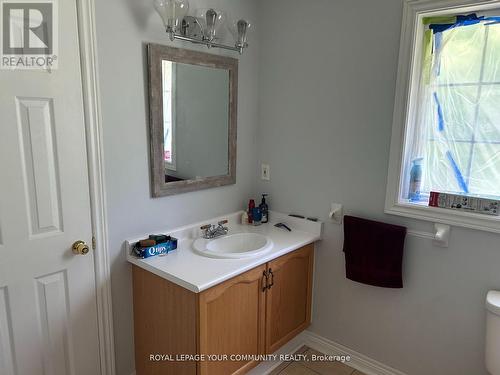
x: 193, y: 100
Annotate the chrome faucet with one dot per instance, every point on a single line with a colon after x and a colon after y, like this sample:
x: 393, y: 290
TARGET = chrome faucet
x: 211, y: 231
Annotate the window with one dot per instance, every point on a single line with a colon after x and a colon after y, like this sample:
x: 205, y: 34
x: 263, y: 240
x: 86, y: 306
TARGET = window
x: 168, y: 114
x: 447, y: 115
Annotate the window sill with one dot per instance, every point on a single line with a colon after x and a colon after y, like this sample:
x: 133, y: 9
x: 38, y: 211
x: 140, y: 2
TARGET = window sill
x: 446, y: 216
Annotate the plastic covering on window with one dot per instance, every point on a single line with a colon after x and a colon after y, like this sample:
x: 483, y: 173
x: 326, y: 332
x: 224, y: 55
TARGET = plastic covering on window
x: 456, y: 139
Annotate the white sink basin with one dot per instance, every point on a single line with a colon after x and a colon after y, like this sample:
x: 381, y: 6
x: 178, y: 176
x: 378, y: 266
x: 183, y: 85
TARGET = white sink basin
x: 238, y: 245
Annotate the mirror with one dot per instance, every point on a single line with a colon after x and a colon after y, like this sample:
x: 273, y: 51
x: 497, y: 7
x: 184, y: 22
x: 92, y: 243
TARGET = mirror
x: 192, y: 107
x: 195, y: 121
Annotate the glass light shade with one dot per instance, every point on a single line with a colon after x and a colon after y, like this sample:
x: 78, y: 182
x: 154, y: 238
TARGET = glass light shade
x: 240, y: 30
x: 211, y: 21
x: 171, y: 12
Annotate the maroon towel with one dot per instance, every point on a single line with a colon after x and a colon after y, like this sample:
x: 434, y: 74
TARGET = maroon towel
x: 374, y: 252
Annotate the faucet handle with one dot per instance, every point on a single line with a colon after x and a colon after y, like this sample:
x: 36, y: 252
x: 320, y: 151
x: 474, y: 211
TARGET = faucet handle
x: 205, y: 227
x: 222, y: 222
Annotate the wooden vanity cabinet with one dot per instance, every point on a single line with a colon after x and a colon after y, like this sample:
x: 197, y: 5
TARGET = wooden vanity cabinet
x: 288, y: 301
x: 248, y: 314
x: 232, y: 322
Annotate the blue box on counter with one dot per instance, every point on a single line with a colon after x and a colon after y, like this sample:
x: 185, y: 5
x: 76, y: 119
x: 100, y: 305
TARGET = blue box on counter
x: 158, y: 249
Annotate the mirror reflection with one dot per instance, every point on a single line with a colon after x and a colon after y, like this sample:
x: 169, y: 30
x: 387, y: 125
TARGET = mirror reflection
x: 195, y: 121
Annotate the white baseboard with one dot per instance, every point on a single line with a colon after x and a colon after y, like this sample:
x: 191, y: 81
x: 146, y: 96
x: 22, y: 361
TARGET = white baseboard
x: 290, y: 347
x: 357, y: 361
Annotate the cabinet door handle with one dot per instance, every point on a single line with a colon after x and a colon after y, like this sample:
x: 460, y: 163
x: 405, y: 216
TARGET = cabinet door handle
x: 272, y: 279
x: 265, y: 277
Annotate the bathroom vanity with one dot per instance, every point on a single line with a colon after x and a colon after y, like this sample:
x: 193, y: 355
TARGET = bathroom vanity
x: 192, y: 310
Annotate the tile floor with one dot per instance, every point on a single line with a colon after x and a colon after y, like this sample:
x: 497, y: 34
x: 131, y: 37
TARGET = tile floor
x: 314, y: 368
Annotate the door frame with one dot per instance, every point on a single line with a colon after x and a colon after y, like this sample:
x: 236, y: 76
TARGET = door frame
x: 97, y: 190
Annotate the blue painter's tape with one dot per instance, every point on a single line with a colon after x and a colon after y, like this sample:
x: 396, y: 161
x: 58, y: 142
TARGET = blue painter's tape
x: 439, y: 113
x: 438, y: 43
x: 470, y: 19
x: 491, y: 20
x: 458, y: 174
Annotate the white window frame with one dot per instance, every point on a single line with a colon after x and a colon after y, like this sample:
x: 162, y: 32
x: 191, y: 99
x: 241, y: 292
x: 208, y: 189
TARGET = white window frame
x: 173, y: 104
x: 409, y: 73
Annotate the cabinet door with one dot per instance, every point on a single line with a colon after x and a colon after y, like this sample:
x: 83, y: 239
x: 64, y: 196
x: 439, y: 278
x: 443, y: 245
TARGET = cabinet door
x: 232, y: 318
x: 289, y: 298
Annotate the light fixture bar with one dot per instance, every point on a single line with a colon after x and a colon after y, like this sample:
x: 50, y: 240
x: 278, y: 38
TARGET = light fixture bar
x: 207, y: 43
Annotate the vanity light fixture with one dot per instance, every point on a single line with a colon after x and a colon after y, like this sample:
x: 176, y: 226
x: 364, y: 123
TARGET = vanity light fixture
x: 204, y: 27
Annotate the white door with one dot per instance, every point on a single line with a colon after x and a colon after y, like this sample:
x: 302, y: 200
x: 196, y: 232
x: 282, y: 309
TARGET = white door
x: 48, y: 315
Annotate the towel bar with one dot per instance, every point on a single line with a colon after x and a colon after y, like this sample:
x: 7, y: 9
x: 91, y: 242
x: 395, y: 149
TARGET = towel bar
x: 441, y: 236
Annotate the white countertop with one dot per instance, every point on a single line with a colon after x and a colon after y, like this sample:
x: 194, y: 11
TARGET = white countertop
x: 197, y: 273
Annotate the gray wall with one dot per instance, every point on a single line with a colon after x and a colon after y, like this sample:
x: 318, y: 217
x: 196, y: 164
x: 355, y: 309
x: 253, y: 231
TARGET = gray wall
x: 327, y: 83
x: 123, y: 26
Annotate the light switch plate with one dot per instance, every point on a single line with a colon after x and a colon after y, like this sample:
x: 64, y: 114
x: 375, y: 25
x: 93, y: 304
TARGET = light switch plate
x: 265, y: 172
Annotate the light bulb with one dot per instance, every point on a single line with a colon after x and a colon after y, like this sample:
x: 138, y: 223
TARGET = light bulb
x: 182, y: 8
x: 240, y: 29
x: 211, y: 21
x: 171, y: 12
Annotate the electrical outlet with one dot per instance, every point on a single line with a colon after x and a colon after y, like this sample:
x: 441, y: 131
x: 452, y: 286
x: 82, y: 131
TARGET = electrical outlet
x: 265, y: 173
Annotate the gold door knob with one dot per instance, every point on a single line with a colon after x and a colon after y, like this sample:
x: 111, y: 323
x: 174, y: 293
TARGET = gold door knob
x: 80, y: 248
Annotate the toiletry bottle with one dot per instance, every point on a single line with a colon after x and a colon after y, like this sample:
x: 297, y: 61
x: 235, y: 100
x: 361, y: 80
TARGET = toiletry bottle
x: 251, y: 206
x: 264, y: 209
x: 415, y: 180
x: 256, y: 216
x: 244, y: 218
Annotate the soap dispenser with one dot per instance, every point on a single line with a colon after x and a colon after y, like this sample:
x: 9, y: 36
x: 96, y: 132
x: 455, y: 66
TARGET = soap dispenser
x: 264, y: 209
